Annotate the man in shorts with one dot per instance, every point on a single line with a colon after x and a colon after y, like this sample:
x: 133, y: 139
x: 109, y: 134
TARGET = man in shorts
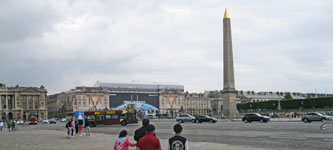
x: 87, y: 126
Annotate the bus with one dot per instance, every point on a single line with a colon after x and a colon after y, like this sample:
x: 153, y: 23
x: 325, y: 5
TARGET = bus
x: 32, y: 118
x: 111, y: 117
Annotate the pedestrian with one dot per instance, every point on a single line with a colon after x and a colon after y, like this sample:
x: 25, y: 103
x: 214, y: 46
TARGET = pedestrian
x: 139, y: 133
x: 122, y: 142
x: 87, y: 126
x: 1, y: 125
x: 80, y: 125
x: 178, y: 142
x: 76, y: 128
x: 149, y: 141
x: 73, y: 126
x: 69, y: 128
x: 8, y: 125
x: 13, y: 125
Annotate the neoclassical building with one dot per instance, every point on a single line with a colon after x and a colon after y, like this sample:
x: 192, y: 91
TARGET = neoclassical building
x: 169, y: 99
x: 78, y: 99
x: 18, y: 102
x: 171, y: 102
x: 197, y: 104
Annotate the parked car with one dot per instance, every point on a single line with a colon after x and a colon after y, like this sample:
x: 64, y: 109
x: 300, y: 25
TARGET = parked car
x: 185, y: 118
x: 204, y: 118
x: 53, y: 121
x: 151, y: 116
x: 32, y: 121
x: 45, y: 121
x: 19, y: 122
x: 248, y: 118
x: 63, y: 119
x: 315, y: 117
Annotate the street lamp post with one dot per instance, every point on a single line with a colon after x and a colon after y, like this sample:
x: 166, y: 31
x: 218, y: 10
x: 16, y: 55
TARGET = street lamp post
x: 251, y: 107
x: 279, y: 106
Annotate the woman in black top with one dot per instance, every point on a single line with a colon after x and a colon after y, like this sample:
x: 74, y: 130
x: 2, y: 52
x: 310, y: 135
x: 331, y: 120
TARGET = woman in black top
x: 76, y: 128
x: 87, y: 126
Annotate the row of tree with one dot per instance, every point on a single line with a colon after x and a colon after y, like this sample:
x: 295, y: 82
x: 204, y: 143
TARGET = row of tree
x: 287, y: 104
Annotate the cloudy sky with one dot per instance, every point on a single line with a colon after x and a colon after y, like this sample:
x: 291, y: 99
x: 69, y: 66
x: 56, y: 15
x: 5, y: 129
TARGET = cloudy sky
x: 278, y: 45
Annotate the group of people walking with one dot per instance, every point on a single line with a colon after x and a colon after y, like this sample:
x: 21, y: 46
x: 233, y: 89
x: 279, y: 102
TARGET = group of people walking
x: 11, y: 125
x: 77, y: 125
x: 146, y: 139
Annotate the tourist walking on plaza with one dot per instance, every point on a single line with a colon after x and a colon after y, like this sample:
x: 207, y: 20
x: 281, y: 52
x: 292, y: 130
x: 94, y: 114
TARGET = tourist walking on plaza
x: 87, y: 126
x: 139, y: 133
x: 76, y: 128
x: 8, y: 125
x: 122, y: 142
x: 70, y: 125
x: 149, y: 141
x: 13, y: 125
x: 1, y: 125
x: 73, y: 126
x: 178, y: 142
x: 80, y: 118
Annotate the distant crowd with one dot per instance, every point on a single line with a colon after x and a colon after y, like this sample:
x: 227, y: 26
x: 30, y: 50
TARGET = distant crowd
x: 77, y: 125
x: 11, y: 125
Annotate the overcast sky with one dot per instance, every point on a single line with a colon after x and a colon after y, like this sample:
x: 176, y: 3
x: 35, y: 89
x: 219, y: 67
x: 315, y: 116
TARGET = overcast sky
x: 277, y: 45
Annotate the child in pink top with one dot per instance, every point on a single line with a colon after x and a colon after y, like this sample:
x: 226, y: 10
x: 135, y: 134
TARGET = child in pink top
x: 122, y: 142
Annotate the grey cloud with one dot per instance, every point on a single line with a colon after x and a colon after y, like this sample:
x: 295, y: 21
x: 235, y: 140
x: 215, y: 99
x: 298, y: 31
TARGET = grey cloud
x: 63, y: 44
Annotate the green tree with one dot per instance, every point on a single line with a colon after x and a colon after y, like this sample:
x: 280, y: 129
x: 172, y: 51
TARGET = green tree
x: 288, y: 96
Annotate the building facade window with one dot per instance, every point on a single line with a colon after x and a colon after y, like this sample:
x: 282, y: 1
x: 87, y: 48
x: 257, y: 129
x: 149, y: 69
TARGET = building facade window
x: 29, y: 99
x: 10, y: 102
x: 3, y: 102
x: 36, y: 101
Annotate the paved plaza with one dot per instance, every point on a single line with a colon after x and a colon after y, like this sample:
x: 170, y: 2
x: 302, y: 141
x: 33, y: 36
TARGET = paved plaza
x: 221, y: 135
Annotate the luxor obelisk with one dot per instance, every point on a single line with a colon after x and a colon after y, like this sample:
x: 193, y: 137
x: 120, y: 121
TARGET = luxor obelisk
x: 229, y: 91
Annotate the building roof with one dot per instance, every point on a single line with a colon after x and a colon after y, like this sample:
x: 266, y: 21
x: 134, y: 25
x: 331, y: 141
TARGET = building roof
x: 139, y: 86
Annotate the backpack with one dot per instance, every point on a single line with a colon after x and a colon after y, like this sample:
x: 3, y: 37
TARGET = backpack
x: 120, y: 145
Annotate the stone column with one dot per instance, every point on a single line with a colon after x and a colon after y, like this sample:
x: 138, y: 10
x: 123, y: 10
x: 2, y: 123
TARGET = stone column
x: 21, y: 114
x: 0, y: 105
x: 27, y: 102
x: 14, y: 102
x: 33, y: 103
x: 6, y: 98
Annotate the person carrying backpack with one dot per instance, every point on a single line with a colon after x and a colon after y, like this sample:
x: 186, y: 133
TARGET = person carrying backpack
x: 1, y: 125
x: 69, y: 128
x: 87, y: 126
x: 141, y: 132
x: 122, y: 142
x: 8, y: 125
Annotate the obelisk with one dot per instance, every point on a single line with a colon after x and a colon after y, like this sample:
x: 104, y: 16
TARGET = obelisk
x: 229, y: 91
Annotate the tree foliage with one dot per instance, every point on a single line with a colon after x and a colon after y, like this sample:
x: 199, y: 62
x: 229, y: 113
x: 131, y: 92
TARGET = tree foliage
x: 326, y: 102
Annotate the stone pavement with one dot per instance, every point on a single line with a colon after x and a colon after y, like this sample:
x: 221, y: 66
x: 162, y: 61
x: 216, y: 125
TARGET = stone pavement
x: 56, y: 140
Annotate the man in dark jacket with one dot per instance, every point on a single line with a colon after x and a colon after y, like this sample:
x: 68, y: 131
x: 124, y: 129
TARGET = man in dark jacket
x: 139, y: 133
